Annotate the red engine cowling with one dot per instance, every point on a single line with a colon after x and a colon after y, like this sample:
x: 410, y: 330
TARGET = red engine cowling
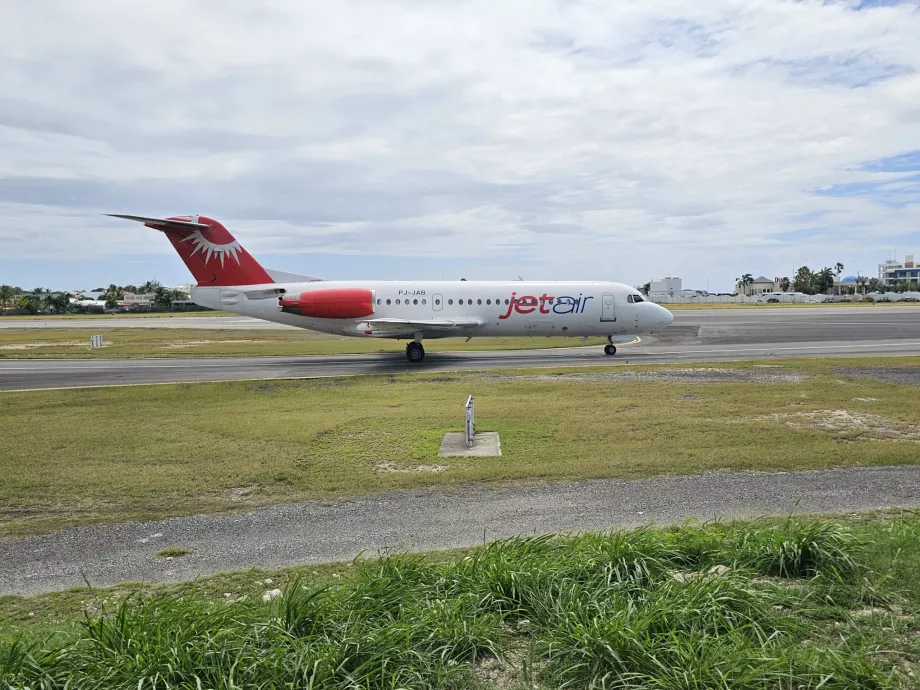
x: 343, y: 303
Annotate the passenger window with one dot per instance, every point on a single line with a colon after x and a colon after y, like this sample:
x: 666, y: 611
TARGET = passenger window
x: 437, y: 301
x: 488, y: 301
x: 397, y: 301
x: 479, y: 302
x: 450, y: 301
x: 415, y: 301
x: 378, y: 301
x: 507, y: 302
x: 424, y: 301
x: 388, y: 301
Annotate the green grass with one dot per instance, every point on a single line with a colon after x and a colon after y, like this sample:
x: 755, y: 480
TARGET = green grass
x: 135, y: 315
x: 194, y: 342
x: 142, y: 452
x: 172, y: 552
x: 791, y: 604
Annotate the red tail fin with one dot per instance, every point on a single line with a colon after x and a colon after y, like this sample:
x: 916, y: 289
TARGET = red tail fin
x: 211, y: 253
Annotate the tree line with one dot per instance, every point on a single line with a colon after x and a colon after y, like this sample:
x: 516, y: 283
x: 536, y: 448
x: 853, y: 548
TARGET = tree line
x: 57, y: 302
x: 811, y: 282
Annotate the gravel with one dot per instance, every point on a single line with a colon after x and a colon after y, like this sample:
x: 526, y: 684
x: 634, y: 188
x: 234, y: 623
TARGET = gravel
x: 323, y: 531
x: 907, y: 376
x: 684, y: 375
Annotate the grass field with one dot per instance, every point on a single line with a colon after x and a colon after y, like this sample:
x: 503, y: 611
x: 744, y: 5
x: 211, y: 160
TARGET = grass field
x: 792, y: 604
x: 193, y: 342
x: 76, y: 456
x: 114, y: 317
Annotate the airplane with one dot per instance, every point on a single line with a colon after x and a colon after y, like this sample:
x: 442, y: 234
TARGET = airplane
x: 230, y: 279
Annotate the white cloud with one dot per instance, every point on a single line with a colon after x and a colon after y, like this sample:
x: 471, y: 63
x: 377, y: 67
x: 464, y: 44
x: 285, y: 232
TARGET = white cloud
x: 619, y: 140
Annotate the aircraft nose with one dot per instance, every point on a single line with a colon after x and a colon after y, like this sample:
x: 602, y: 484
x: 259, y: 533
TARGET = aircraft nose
x: 666, y: 318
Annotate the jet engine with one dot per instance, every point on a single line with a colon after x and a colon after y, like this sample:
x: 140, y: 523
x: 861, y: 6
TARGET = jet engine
x: 342, y: 303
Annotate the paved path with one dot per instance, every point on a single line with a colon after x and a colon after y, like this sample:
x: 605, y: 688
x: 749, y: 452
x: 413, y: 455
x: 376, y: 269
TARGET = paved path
x: 322, y: 531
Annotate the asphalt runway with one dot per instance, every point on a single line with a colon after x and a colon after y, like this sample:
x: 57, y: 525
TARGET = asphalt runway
x: 324, y: 531
x: 714, y: 335
x: 29, y: 374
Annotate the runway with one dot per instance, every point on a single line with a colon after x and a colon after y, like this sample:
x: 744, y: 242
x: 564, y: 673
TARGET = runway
x: 701, y: 336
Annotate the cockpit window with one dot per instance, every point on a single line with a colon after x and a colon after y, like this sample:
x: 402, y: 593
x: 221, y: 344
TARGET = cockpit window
x: 638, y: 298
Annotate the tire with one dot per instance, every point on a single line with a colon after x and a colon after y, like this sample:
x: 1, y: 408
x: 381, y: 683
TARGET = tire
x: 610, y: 350
x: 415, y: 353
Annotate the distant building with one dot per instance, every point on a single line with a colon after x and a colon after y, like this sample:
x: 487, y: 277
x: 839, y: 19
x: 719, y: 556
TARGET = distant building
x: 134, y: 299
x: 761, y: 286
x: 892, y: 271
x: 665, y: 286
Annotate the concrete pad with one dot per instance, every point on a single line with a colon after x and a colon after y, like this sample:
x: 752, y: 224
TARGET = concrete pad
x: 484, y: 443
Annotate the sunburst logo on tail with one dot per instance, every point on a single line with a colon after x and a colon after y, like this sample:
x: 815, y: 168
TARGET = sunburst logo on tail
x: 208, y: 248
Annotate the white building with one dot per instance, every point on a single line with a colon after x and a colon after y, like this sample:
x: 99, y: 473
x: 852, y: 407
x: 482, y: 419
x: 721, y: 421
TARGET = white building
x: 665, y: 286
x: 892, y: 271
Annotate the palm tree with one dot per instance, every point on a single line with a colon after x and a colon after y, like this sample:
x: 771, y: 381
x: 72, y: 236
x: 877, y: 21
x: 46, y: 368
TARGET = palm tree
x: 56, y: 301
x: 861, y: 281
x: 839, y: 268
x: 7, y: 293
x: 744, y: 281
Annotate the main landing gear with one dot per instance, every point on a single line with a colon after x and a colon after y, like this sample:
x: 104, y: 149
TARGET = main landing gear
x: 610, y: 349
x: 415, y: 353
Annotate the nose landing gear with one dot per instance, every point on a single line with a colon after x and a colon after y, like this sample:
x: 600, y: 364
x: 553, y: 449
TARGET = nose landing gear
x: 415, y: 353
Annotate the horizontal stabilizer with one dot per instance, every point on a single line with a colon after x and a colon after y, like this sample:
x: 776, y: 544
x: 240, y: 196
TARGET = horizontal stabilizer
x: 286, y: 277
x: 162, y: 223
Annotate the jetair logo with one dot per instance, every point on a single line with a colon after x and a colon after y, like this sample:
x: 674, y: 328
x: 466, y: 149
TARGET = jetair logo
x: 527, y: 304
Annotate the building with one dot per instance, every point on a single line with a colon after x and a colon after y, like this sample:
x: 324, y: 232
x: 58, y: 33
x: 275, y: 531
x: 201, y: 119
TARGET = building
x: 761, y: 286
x: 892, y: 271
x: 665, y: 286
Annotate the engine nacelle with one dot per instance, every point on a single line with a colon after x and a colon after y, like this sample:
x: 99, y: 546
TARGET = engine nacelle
x: 342, y: 303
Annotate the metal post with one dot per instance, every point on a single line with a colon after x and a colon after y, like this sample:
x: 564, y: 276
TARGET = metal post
x: 470, y: 422
x: 95, y: 341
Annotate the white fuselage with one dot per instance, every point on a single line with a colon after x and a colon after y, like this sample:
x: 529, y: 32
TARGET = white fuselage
x: 502, y: 308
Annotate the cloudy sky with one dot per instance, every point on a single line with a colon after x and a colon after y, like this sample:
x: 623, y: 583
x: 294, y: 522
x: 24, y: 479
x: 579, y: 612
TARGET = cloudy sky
x: 581, y: 139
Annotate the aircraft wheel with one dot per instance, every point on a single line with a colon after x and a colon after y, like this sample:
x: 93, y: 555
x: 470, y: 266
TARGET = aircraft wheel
x: 610, y: 349
x: 415, y: 352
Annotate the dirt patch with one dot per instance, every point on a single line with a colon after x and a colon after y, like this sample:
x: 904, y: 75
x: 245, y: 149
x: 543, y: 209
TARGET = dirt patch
x: 905, y: 376
x: 32, y: 346
x: 851, y: 426
x: 195, y: 343
x: 240, y: 493
x: 683, y: 375
x: 389, y: 466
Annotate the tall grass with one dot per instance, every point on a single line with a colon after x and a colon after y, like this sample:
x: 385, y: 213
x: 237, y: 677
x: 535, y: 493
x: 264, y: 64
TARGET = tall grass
x: 642, y: 609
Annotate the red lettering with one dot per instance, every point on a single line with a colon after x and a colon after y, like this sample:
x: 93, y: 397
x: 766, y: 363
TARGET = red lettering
x: 543, y: 299
x: 526, y: 304
x: 510, y: 307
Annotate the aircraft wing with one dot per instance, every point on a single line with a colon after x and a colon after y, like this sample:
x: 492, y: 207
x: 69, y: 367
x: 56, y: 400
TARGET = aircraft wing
x: 458, y: 326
